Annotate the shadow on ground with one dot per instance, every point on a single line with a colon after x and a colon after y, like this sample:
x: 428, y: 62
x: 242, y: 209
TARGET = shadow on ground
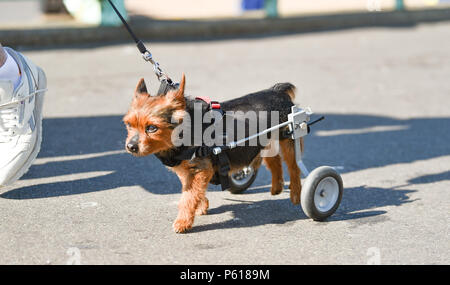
x: 356, y: 207
x: 347, y: 140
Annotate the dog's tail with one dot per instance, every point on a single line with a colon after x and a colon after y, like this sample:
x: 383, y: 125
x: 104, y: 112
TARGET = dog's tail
x: 286, y: 88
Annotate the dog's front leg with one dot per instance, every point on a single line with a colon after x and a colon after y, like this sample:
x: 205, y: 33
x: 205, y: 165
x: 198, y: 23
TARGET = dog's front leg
x: 194, y: 180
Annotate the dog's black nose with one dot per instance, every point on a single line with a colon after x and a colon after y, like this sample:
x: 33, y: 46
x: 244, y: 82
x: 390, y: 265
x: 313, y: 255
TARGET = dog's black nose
x: 132, y: 147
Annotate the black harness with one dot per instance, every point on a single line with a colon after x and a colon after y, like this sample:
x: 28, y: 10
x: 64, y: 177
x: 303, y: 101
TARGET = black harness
x: 175, y: 156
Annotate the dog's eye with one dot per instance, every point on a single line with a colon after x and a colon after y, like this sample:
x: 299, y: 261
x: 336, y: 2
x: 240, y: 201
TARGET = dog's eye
x: 151, y: 129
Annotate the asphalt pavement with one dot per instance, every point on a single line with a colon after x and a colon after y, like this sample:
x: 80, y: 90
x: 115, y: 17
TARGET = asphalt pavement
x: 384, y: 93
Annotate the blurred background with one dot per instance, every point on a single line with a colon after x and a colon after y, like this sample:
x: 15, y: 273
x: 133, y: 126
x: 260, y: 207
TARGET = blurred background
x: 66, y: 12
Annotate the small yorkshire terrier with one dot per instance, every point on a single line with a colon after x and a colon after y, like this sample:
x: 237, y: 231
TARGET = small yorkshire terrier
x: 151, y: 120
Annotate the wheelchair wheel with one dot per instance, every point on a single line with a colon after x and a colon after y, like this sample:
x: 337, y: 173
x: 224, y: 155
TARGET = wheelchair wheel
x: 242, y: 179
x: 321, y: 193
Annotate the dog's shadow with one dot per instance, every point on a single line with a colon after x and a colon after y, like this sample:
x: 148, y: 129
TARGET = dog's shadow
x: 82, y: 155
x: 356, y: 206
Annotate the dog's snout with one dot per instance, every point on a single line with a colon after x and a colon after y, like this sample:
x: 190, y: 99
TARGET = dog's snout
x: 133, y: 144
x: 133, y: 147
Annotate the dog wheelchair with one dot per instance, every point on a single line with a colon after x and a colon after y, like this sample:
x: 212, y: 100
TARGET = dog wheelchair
x: 322, y: 189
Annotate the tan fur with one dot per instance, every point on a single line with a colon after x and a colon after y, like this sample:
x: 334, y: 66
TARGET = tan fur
x: 291, y: 93
x: 146, y: 110
x: 287, y: 149
x: 275, y: 167
x: 194, y: 179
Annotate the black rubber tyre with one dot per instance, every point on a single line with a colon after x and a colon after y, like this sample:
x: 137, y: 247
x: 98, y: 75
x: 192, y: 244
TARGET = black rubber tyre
x: 237, y: 187
x: 333, y: 189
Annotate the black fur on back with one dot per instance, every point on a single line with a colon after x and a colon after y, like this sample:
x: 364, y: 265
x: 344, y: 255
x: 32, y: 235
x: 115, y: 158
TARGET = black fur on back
x: 277, y: 98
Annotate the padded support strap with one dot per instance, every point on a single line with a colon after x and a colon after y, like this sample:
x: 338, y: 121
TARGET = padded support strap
x: 188, y: 153
x: 223, y: 164
x: 165, y: 87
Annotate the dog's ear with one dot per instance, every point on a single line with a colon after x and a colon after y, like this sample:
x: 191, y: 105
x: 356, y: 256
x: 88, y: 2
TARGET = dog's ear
x: 141, y: 88
x: 179, y: 95
x: 176, y: 97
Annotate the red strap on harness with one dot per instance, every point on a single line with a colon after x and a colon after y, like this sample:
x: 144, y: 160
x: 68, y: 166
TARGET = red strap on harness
x: 214, y: 104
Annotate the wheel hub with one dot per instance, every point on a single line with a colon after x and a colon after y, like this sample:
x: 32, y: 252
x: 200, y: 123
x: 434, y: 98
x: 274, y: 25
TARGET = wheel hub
x: 326, y: 194
x: 242, y: 176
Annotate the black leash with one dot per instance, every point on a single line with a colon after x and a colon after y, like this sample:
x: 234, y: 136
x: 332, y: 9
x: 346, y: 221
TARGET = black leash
x: 167, y: 84
x: 313, y: 122
x: 146, y: 54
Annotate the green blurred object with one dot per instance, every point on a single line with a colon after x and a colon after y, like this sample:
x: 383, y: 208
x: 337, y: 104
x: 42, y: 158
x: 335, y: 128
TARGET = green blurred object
x: 271, y: 7
x: 109, y: 17
x: 399, y: 5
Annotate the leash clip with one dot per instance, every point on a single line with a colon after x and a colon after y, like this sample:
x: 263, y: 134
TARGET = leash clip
x: 141, y: 47
x: 147, y: 55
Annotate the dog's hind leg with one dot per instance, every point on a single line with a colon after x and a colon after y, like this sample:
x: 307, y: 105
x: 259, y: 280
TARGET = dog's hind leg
x: 288, y: 151
x: 273, y: 163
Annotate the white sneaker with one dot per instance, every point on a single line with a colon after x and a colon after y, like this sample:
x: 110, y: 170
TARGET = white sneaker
x: 20, y: 119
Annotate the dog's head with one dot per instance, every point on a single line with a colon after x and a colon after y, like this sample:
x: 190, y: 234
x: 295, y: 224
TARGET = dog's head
x: 151, y: 120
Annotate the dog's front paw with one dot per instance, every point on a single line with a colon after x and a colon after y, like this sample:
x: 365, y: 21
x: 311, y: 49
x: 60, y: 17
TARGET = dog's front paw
x: 202, y: 208
x: 180, y: 226
x: 201, y: 211
x: 277, y: 188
